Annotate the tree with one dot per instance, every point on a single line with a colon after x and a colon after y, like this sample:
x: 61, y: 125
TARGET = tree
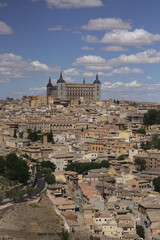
x: 46, y: 171
x: 105, y: 164
x: 1, y: 199
x: 64, y: 235
x: 141, y: 164
x: 151, y: 117
x: 30, y: 190
x: 140, y: 230
x: 16, y: 168
x: 15, y: 133
x: 121, y: 157
x: 85, y: 167
x: 154, y: 143
x: 17, y: 195
x: 49, y: 178
x: 48, y: 164
x: 2, y: 164
x: 156, y: 184
x: 141, y: 131
x: 33, y: 135
x: 21, y: 134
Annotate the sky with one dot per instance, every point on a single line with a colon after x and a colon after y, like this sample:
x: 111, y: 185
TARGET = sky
x: 118, y: 39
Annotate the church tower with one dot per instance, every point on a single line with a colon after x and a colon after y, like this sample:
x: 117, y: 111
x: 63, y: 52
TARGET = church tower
x: 97, y: 89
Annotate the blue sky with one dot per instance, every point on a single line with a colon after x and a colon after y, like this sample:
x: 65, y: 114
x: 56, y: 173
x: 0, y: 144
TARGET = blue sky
x: 118, y: 39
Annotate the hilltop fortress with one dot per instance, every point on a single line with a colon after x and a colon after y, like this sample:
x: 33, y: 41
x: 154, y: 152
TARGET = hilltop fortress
x: 73, y: 91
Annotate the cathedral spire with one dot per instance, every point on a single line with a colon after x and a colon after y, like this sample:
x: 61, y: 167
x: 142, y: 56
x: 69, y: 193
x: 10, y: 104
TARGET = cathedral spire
x: 84, y: 81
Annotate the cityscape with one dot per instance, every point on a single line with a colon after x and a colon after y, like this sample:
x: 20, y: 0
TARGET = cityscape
x: 79, y: 120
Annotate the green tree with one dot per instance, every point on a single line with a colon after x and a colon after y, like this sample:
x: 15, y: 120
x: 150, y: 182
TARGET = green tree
x: 141, y: 164
x: 46, y: 171
x: 33, y: 135
x: 21, y: 134
x: 48, y: 164
x: 49, y: 178
x: 121, y: 157
x: 29, y: 190
x: 15, y: 133
x: 151, y: 117
x: 17, y: 195
x: 154, y: 143
x: 2, y: 164
x: 156, y: 184
x: 85, y: 167
x: 140, y: 230
x: 105, y: 164
x: 64, y: 235
x: 16, y: 168
x: 1, y: 199
x: 141, y: 131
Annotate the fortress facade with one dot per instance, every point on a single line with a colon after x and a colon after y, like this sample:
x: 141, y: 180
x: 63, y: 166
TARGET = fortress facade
x: 74, y: 91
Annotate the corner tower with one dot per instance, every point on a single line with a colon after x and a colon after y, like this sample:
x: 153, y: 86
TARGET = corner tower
x: 49, y: 88
x: 97, y: 89
x: 61, y: 87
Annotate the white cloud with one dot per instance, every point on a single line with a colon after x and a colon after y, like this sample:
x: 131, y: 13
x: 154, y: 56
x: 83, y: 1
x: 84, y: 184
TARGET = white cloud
x: 93, y: 63
x: 90, y: 60
x: 39, y: 67
x: 126, y: 70
x: 87, y: 48
x: 74, y: 3
x: 76, y: 32
x: 56, y: 28
x: 38, y: 89
x: 90, y: 39
x: 3, y: 5
x: 14, y: 66
x: 147, y: 57
x: 133, y: 84
x: 149, y: 77
x: 102, y: 67
x: 114, y: 49
x: 71, y: 72
x: 106, y: 24
x: 69, y: 80
x: 138, y: 37
x: 120, y: 85
x: 88, y: 74
x: 5, y: 29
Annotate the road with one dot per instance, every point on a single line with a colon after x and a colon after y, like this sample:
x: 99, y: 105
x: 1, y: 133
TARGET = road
x: 148, y: 234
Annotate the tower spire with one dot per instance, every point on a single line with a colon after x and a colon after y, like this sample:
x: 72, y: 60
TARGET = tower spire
x: 49, y: 82
x: 61, y: 75
x: 97, y: 81
x: 84, y: 81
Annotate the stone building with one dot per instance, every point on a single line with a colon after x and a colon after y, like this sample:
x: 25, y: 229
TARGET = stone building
x: 74, y: 91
